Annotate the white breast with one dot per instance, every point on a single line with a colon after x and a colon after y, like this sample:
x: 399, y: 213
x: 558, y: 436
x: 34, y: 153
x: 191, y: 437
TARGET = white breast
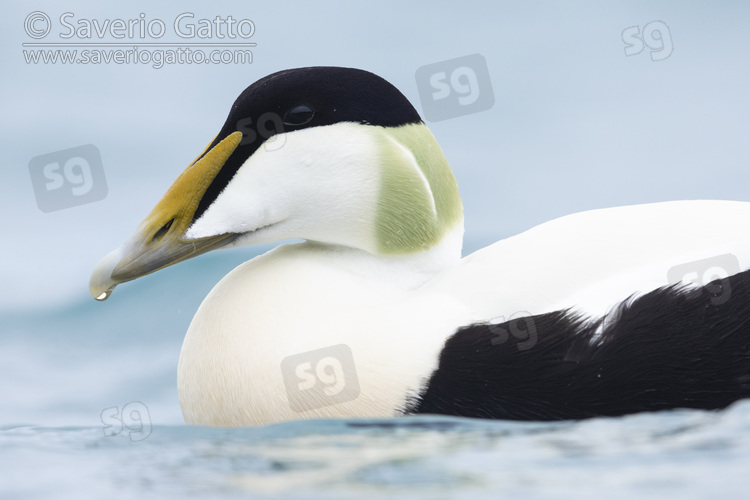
x: 286, y: 306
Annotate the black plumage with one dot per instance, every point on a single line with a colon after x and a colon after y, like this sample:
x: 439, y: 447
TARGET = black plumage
x: 670, y: 348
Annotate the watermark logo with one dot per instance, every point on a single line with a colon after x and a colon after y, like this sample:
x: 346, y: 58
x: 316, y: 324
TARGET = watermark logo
x: 134, y: 417
x: 707, y: 276
x: 319, y: 378
x: 520, y: 329
x: 68, y: 178
x: 456, y: 87
x: 73, y: 40
x: 269, y: 126
x: 37, y: 25
x: 655, y: 35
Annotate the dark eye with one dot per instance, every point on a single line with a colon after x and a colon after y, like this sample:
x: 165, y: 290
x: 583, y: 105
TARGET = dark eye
x: 298, y: 115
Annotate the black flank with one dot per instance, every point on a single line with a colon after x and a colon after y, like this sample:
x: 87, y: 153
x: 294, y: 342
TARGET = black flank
x: 670, y: 348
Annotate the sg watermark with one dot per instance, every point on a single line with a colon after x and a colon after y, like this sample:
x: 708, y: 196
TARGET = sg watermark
x: 270, y: 127
x: 134, y: 418
x: 709, y: 275
x: 654, y: 35
x: 72, y: 40
x: 519, y: 329
x: 68, y: 178
x: 456, y: 87
x: 319, y: 378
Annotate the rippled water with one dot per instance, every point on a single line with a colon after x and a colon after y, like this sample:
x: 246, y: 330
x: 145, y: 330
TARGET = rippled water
x: 686, y: 454
x: 61, y: 369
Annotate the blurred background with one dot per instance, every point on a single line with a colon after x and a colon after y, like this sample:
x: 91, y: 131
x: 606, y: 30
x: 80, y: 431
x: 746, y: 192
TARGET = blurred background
x: 592, y: 105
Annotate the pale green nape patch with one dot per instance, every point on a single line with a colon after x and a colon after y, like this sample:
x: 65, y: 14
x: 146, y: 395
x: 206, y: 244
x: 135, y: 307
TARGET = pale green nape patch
x: 411, y: 217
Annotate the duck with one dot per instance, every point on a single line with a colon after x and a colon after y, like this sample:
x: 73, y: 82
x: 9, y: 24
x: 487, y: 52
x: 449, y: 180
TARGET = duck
x: 366, y: 308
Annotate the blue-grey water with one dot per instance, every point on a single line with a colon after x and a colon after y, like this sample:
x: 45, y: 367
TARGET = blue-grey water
x: 670, y: 455
x: 66, y: 370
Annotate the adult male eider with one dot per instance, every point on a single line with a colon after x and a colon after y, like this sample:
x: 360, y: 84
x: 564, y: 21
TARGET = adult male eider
x: 376, y: 314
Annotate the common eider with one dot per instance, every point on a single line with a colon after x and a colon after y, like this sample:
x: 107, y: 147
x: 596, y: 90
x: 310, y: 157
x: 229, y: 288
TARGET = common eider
x: 376, y: 314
